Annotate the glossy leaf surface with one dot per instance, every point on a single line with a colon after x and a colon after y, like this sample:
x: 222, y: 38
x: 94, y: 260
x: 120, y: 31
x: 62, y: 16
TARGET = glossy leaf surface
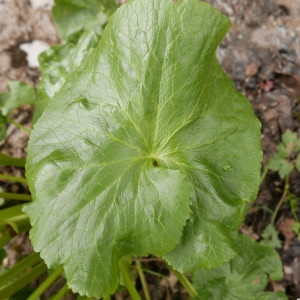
x: 146, y: 137
x: 245, y: 277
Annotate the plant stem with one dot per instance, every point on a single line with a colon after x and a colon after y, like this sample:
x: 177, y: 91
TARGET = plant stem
x: 45, y: 285
x: 262, y: 207
x: 61, y: 293
x: 185, y: 283
x: 16, y: 196
x: 7, y: 160
x: 283, y: 197
x: 19, y: 268
x: 152, y: 272
x: 143, y: 280
x: 263, y: 175
x: 13, y: 178
x: 22, y: 281
x: 18, y: 125
x: 127, y: 281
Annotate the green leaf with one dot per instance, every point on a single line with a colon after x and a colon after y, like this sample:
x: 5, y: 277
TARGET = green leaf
x: 276, y: 162
x: 146, y: 134
x: 73, y: 17
x: 290, y: 141
x: 293, y: 200
x: 20, y: 94
x: 270, y: 237
x: 296, y: 147
x: 296, y: 229
x: 282, y: 152
x: 282, y: 166
x: 285, y: 169
x: 57, y: 63
x: 245, y: 277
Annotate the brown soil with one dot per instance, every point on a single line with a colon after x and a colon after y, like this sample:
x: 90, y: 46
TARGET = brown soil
x: 261, y: 53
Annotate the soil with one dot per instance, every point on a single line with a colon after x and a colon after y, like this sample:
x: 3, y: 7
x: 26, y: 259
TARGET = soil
x: 261, y: 53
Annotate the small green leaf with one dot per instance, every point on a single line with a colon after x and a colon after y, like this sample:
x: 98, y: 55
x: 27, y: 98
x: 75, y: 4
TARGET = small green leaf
x: 285, y: 169
x: 297, y: 146
x: 275, y: 163
x: 270, y: 237
x: 296, y: 229
x: 20, y: 94
x: 245, y: 277
x: 146, y: 149
x: 290, y: 141
x: 282, y: 166
x: 73, y: 17
x: 282, y: 159
x: 282, y: 152
x: 57, y: 63
x: 293, y: 200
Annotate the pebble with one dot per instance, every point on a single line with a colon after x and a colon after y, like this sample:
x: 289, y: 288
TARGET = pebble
x: 251, y: 70
x: 33, y: 50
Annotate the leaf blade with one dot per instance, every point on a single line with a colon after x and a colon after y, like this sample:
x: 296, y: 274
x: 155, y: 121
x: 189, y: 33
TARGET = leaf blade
x: 124, y: 129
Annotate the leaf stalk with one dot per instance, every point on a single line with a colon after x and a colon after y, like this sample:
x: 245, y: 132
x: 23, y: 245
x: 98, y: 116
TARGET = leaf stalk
x: 13, y: 178
x: 22, y: 281
x: 61, y: 293
x: 143, y: 280
x: 185, y: 282
x: 283, y: 197
x: 45, y: 285
x: 18, y: 125
x: 127, y: 281
x: 16, y: 196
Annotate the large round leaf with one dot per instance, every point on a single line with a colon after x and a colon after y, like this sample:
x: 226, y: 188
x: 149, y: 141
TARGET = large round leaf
x: 148, y: 148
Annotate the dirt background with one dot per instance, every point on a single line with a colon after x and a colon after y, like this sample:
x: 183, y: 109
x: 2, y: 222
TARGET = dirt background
x: 261, y: 53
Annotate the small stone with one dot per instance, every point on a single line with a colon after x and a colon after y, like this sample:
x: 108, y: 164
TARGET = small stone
x: 33, y: 50
x: 251, y: 70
